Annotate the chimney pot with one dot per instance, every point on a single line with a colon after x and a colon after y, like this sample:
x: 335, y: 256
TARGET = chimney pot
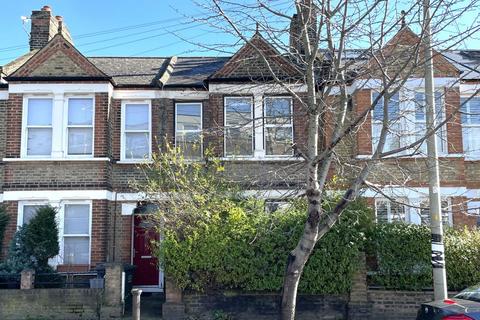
x: 46, y: 8
x: 59, y: 18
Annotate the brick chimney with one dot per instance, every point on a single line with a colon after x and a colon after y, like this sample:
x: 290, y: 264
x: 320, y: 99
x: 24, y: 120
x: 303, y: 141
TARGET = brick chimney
x: 45, y: 26
x: 309, y: 12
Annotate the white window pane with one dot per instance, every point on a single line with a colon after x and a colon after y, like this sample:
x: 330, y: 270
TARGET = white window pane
x: 137, y: 145
x: 393, y: 108
x: 136, y: 117
x: 80, y: 111
x: 238, y: 141
x: 278, y: 141
x: 190, y: 143
x: 278, y: 111
x: 471, y: 139
x: 397, y: 211
x: 39, y: 112
x: 238, y: 112
x: 189, y: 116
x: 77, y: 219
x: 76, y: 250
x: 39, y: 141
x: 29, y: 211
x: 80, y: 141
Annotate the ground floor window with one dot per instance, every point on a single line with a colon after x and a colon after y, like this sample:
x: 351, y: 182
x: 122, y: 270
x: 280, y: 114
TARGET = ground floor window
x: 413, y: 211
x: 74, y: 226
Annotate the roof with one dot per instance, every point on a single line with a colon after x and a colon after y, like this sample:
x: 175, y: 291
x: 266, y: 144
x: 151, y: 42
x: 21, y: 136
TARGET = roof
x: 467, y: 61
x: 132, y: 71
x: 147, y: 71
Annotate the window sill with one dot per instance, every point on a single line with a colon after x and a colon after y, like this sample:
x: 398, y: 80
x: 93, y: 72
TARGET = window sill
x: 263, y: 159
x: 53, y: 159
x: 134, y: 162
x: 417, y: 156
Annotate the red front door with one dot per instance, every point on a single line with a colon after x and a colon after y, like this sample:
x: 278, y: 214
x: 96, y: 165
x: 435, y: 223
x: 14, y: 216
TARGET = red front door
x: 146, y: 271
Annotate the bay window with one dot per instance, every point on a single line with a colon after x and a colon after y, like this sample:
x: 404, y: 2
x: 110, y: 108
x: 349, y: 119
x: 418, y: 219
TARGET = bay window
x: 136, y: 131
x: 414, y: 211
x: 39, y: 127
x: 80, y: 126
x: 188, y: 128
x: 471, y: 125
x: 76, y: 234
x: 278, y: 126
x: 239, y: 126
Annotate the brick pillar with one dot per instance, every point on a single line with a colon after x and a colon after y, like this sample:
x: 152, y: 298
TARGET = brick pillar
x: 27, y: 279
x: 362, y: 102
x: 113, y: 304
x: 173, y: 308
x: 358, y: 306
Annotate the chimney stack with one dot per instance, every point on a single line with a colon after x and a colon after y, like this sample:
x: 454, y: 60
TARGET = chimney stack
x: 45, y: 26
x: 308, y: 14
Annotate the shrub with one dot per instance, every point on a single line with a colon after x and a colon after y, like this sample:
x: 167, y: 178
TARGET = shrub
x: 34, y: 243
x: 242, y: 247
x: 403, y: 254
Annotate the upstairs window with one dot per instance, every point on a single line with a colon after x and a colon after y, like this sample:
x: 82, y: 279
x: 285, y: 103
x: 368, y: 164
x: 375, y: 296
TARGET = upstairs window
x: 239, y: 126
x: 406, y: 122
x: 39, y: 127
x: 471, y: 125
x: 388, y: 211
x: 80, y: 126
x: 188, y: 129
x: 136, y: 131
x: 278, y: 124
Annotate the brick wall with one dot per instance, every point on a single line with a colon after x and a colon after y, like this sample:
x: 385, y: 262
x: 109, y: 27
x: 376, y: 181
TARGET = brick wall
x: 14, y: 125
x: 12, y: 211
x: 102, y: 141
x: 363, y: 102
x: 100, y: 228
x: 54, y: 304
x: 246, y: 306
x: 59, y: 175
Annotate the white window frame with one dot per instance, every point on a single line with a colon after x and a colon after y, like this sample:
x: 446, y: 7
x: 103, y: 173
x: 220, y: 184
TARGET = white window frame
x: 123, y: 131
x: 60, y: 219
x: 61, y: 228
x: 388, y: 202
x: 66, y: 126
x: 21, y: 204
x: 277, y: 125
x: 411, y: 208
x: 476, y: 153
x: 252, y: 110
x: 407, y: 122
x: 25, y: 126
x: 190, y: 131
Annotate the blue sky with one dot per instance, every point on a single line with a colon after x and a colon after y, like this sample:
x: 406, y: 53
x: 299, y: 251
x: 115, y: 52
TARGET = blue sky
x: 89, y: 16
x: 87, y: 19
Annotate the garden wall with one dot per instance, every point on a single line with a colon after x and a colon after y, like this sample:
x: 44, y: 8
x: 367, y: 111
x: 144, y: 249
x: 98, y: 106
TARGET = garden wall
x: 246, y: 306
x: 68, y: 304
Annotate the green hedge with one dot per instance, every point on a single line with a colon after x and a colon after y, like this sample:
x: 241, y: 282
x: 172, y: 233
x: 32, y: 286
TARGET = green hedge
x: 403, y: 254
x: 245, y: 248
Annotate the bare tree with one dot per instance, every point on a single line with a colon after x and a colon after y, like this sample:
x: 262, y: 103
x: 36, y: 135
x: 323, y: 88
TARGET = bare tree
x: 341, y: 48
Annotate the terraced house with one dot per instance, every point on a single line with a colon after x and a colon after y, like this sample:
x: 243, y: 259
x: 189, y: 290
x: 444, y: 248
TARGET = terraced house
x: 74, y: 129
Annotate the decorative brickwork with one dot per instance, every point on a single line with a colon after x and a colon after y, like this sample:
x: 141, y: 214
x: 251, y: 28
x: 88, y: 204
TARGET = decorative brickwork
x: 102, y: 141
x: 14, y: 125
x: 100, y: 216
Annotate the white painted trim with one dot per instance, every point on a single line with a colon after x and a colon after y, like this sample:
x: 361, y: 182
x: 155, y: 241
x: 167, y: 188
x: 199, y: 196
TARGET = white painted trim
x: 58, y: 195
x: 160, y: 94
x: 1, y: 197
x: 123, y: 159
x: 264, y: 159
x: 265, y: 125
x: 4, y: 95
x: 469, y: 89
x: 254, y: 88
x: 158, y: 288
x: 127, y: 208
x: 24, y: 131
x: 60, y: 88
x: 417, y: 192
x: 53, y: 159
x: 258, y: 127
x: 411, y: 83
